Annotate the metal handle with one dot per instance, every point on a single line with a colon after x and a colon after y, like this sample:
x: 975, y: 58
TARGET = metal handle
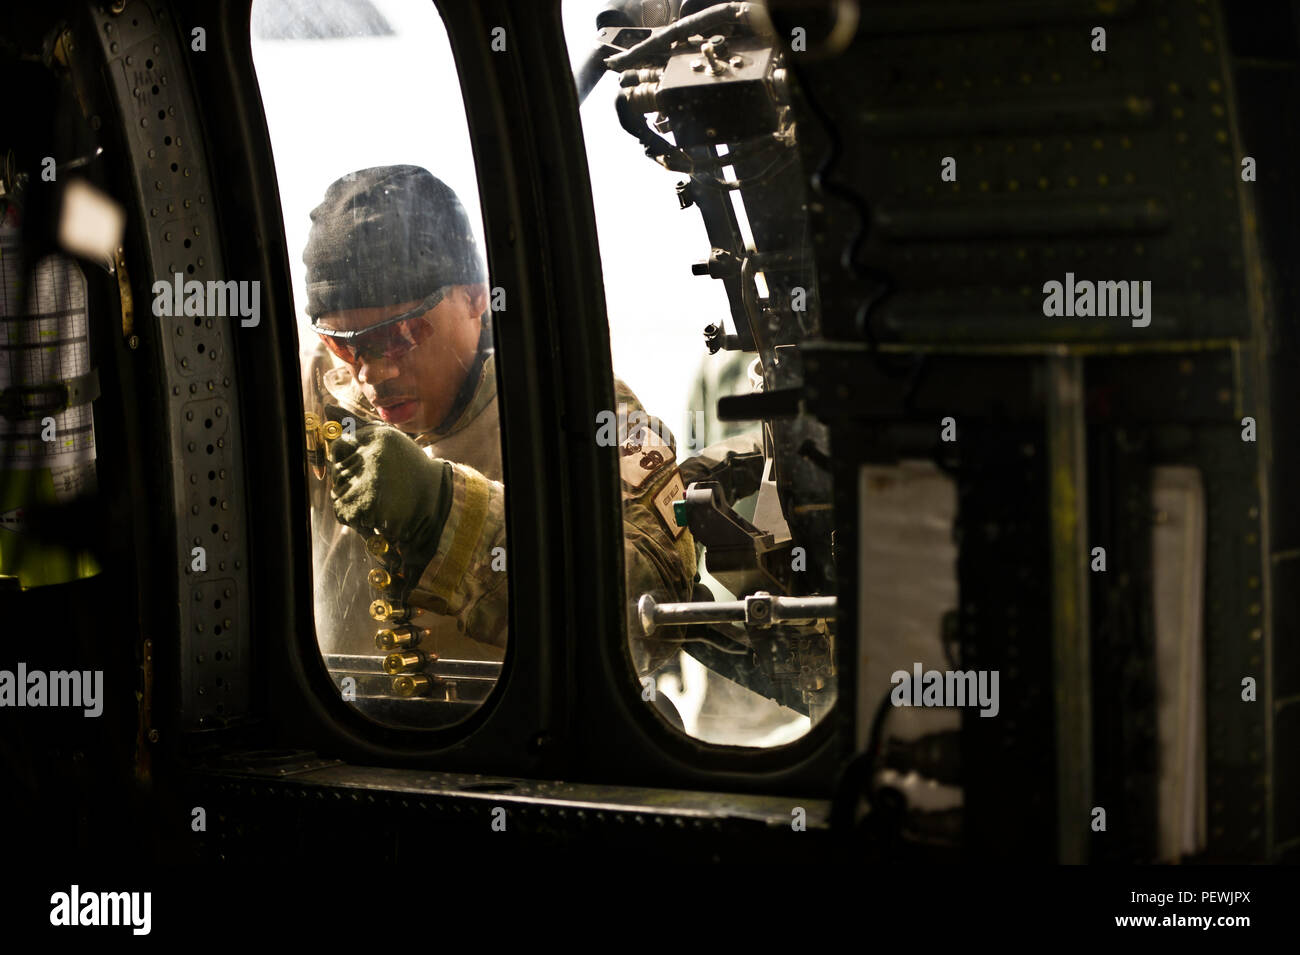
x: 757, y: 610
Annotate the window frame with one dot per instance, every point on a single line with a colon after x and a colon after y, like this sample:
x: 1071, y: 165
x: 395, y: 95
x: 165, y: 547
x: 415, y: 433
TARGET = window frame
x: 582, y: 715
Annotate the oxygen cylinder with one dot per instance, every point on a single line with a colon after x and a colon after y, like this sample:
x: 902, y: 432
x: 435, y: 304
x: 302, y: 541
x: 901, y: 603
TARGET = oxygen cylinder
x: 47, y: 428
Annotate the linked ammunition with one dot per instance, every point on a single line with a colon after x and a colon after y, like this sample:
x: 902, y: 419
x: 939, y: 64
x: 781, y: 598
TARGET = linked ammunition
x: 412, y: 684
x: 401, y: 638
x: 378, y: 547
x: 385, y: 610
x: 403, y: 660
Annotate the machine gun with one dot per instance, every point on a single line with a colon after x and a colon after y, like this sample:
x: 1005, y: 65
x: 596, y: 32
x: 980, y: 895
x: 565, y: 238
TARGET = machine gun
x: 714, y: 76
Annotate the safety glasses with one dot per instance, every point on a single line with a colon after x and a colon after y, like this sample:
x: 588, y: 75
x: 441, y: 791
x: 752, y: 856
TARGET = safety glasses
x: 391, y: 339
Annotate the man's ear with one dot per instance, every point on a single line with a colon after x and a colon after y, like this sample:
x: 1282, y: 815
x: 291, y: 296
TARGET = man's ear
x: 478, y: 298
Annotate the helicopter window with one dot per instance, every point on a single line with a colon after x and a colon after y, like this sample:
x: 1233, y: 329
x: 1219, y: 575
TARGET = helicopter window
x: 694, y: 169
x: 402, y: 441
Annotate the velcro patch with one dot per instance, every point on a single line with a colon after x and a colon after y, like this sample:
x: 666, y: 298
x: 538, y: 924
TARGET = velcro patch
x: 642, y: 454
x: 671, y: 492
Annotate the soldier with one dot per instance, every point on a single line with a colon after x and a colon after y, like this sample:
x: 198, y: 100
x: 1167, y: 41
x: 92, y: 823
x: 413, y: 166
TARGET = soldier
x: 397, y: 293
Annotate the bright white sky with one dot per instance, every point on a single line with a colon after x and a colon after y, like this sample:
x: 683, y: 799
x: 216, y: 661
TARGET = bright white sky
x: 334, y: 106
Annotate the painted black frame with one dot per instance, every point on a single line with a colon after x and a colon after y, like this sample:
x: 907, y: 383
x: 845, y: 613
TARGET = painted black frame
x: 564, y: 707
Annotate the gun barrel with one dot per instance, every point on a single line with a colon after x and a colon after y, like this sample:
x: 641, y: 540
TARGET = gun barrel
x: 757, y: 610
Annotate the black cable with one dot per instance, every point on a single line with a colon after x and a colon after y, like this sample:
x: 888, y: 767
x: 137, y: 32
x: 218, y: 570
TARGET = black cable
x: 587, y: 76
x: 858, y: 776
x: 634, y: 122
x: 710, y: 20
x: 885, y: 287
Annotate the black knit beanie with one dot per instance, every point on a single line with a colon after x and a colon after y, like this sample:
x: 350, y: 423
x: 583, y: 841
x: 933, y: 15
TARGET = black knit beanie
x: 387, y: 235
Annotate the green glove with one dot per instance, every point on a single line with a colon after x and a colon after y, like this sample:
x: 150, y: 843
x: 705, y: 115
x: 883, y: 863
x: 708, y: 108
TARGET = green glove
x: 383, y: 481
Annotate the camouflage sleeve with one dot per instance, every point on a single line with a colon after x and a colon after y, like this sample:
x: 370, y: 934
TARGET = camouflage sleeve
x: 466, y: 579
x: 658, y: 556
x: 655, y: 564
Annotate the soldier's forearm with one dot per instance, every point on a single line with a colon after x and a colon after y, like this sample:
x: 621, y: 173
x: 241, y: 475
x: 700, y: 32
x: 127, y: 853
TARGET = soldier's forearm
x: 466, y: 577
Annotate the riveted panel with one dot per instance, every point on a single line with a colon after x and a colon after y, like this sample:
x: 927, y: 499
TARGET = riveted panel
x: 1114, y: 165
x: 1117, y: 165
x: 196, y: 308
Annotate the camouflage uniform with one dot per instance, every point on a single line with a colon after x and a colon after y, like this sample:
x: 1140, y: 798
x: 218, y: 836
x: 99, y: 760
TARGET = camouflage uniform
x: 462, y: 596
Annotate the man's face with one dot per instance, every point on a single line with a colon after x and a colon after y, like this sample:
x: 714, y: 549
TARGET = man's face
x: 414, y: 390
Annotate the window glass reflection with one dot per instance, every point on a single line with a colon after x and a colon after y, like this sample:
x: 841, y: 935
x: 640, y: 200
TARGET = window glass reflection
x: 699, y: 198
x: 401, y: 434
